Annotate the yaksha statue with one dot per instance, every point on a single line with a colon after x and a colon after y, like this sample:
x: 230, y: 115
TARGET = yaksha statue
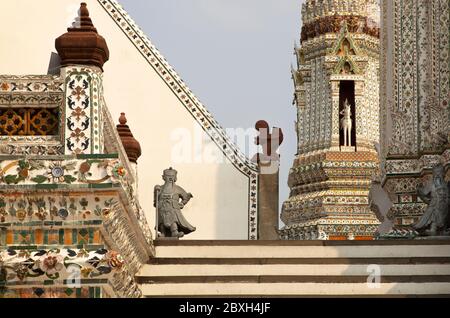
x: 436, y: 220
x: 169, y: 199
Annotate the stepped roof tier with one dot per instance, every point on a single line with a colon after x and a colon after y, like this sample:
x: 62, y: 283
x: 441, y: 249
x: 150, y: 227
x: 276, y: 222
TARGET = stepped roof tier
x: 336, y: 95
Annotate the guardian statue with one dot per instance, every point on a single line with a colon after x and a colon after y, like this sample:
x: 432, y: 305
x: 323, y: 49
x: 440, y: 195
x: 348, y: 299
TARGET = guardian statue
x: 169, y: 199
x: 436, y: 219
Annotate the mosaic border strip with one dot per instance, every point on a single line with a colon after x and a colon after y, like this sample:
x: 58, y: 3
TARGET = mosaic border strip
x: 37, y: 266
x: 83, y: 113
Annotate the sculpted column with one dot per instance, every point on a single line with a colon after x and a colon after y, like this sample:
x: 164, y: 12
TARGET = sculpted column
x: 269, y: 167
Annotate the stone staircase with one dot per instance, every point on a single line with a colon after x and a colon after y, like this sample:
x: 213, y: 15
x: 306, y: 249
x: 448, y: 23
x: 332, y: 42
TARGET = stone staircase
x: 297, y: 269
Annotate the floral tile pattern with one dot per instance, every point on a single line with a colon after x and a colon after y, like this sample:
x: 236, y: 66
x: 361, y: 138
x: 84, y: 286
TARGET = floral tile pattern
x: 83, y: 91
x: 58, y: 265
x: 40, y: 171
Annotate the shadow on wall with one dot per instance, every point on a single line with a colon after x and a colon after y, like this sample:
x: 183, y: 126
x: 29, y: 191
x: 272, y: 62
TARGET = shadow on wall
x: 219, y: 206
x: 383, y: 204
x: 54, y: 64
x: 226, y: 224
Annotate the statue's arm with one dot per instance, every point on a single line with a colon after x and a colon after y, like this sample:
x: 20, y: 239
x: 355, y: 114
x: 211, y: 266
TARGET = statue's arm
x: 156, y: 190
x: 448, y: 186
x: 423, y: 194
x: 185, y: 197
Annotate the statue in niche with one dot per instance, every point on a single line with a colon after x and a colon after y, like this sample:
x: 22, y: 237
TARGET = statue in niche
x: 436, y: 219
x: 346, y: 123
x: 169, y: 199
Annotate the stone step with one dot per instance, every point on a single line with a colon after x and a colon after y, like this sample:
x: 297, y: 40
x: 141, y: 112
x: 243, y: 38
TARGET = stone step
x: 295, y: 289
x: 296, y: 268
x: 298, y: 261
x: 342, y: 279
x: 248, y: 250
x: 291, y: 270
x: 280, y: 243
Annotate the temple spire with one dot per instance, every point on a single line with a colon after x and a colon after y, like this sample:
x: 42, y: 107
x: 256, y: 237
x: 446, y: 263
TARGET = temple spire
x: 82, y: 45
x: 336, y: 95
x: 130, y: 144
x: 83, y: 21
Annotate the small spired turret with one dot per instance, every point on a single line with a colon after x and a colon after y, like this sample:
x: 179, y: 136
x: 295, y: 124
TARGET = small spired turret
x: 130, y: 144
x: 337, y: 99
x: 82, y: 45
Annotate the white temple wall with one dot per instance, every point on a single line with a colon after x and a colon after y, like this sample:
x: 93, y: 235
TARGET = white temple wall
x: 220, y: 207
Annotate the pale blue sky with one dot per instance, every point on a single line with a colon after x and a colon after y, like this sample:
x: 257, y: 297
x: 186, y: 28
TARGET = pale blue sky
x: 235, y: 55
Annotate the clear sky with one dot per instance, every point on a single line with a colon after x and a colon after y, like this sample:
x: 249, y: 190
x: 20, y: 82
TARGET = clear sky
x: 235, y: 55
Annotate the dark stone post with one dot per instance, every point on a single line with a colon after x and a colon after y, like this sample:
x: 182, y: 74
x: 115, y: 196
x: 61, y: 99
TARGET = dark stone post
x: 268, y: 193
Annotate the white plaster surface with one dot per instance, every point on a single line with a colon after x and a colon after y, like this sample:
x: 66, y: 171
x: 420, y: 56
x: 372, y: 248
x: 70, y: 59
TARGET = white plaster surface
x: 220, y: 191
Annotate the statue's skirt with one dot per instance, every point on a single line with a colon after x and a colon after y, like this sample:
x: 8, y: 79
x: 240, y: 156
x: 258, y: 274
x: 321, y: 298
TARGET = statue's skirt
x: 168, y: 217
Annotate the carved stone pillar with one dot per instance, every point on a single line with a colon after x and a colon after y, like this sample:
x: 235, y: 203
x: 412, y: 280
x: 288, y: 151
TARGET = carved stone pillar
x: 268, y: 187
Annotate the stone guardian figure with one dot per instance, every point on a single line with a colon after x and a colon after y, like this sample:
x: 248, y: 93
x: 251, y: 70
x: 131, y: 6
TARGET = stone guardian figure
x: 436, y: 219
x: 169, y: 199
x: 346, y: 124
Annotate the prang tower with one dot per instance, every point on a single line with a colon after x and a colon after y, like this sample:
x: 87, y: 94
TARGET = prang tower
x: 337, y: 100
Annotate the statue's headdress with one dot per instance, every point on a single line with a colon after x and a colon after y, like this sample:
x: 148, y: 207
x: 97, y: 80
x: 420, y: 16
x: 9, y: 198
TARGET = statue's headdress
x: 170, y: 172
x: 439, y: 170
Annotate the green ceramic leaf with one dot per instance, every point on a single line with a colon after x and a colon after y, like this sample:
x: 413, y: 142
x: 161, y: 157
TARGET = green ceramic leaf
x: 92, y: 161
x: 69, y: 179
x: 39, y: 179
x: 23, y: 164
x: 10, y: 179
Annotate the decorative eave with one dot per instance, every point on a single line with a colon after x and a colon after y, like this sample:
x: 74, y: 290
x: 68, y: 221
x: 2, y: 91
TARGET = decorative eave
x: 323, y: 45
x: 345, y: 35
x: 341, y: 66
x: 35, y: 90
x: 332, y: 24
x: 297, y: 78
x: 299, y: 54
